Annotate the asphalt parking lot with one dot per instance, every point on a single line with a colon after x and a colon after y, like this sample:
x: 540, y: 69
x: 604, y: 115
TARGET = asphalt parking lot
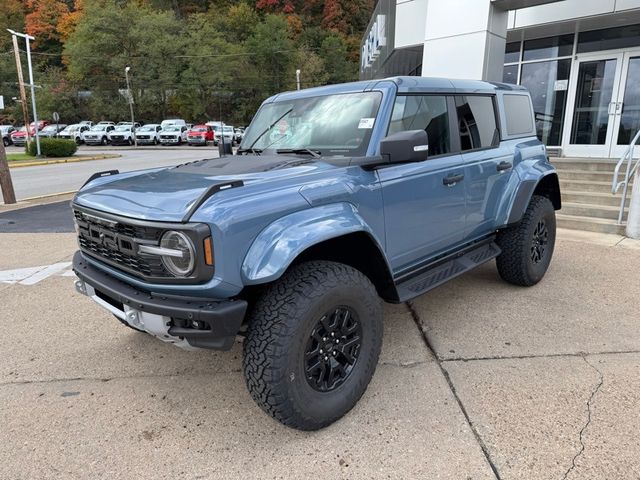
x: 478, y: 379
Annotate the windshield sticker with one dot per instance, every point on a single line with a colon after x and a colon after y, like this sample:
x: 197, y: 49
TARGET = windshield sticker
x: 366, y: 123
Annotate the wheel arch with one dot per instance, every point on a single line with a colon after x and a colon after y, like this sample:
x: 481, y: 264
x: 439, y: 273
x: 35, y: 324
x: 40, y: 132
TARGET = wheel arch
x: 546, y: 186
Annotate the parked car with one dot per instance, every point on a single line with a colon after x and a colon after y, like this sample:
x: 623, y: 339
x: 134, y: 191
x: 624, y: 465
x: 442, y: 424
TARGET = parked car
x: 74, y: 132
x: 173, y: 135
x: 98, y: 134
x: 148, y: 134
x: 172, y: 121
x: 349, y: 195
x: 52, y: 130
x: 122, y: 134
x: 5, y: 132
x: 238, y: 134
x: 200, y: 135
x: 227, y: 131
x: 89, y: 123
x: 19, y: 137
x: 106, y: 122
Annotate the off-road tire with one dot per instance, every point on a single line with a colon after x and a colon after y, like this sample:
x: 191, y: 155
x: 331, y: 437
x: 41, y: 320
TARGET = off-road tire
x: 280, y: 325
x: 515, y: 263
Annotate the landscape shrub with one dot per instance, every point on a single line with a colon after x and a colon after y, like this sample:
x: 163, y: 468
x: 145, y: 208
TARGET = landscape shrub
x: 53, y: 147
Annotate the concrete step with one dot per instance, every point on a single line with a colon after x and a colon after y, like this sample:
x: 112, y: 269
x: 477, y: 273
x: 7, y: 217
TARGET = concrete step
x: 591, y: 211
x: 592, y: 198
x: 585, y: 186
x: 590, y: 224
x: 585, y: 164
x: 587, y: 176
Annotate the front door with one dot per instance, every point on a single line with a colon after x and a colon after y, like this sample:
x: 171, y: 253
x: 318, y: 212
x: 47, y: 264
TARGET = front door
x: 605, y: 105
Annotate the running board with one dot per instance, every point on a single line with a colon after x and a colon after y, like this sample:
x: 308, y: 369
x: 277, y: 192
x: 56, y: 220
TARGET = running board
x: 446, y: 269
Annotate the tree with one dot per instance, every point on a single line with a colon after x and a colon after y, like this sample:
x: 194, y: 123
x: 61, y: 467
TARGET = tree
x: 42, y: 21
x: 334, y: 52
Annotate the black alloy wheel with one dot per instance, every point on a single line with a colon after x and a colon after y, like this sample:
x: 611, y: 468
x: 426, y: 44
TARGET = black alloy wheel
x: 332, y: 349
x: 539, y: 242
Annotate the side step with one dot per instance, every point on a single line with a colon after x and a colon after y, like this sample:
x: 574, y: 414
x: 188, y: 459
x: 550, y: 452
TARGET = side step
x: 445, y: 269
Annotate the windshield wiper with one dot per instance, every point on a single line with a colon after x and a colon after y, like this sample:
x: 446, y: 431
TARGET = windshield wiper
x: 273, y: 124
x: 255, y: 151
x: 300, y: 151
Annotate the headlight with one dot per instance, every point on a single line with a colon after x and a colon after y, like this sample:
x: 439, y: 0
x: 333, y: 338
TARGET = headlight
x: 180, y: 266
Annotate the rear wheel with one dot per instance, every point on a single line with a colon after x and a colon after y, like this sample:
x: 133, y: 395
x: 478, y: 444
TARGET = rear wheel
x: 104, y: 141
x: 5, y: 142
x: 527, y: 247
x: 313, y: 343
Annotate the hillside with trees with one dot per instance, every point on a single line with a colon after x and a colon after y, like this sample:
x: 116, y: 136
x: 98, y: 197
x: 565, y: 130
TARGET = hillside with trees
x: 195, y: 59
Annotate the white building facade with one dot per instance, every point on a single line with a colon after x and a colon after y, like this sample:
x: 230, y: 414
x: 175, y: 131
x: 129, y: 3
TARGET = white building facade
x: 579, y: 58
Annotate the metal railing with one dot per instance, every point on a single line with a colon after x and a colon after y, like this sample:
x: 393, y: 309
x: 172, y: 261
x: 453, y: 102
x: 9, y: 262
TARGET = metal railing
x: 630, y: 171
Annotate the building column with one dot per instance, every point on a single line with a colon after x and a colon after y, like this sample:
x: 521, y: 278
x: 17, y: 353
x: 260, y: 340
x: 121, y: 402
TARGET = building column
x: 464, y: 39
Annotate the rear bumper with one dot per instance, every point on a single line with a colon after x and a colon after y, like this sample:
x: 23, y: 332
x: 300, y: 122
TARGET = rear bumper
x: 185, y: 322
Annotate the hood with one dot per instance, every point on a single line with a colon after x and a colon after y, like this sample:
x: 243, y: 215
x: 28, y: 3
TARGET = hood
x: 167, y: 194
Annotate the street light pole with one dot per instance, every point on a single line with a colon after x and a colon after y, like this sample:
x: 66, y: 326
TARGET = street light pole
x: 130, y: 100
x: 32, y: 86
x: 298, y: 79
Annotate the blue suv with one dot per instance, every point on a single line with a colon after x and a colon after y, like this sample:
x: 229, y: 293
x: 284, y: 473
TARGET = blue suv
x: 339, y: 198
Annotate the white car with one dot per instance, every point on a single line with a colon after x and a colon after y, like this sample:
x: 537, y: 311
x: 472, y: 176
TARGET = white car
x: 98, y: 134
x: 74, y: 132
x: 5, y: 132
x: 106, y: 122
x: 122, y: 135
x: 148, y: 134
x: 172, y: 121
x: 173, y: 135
x: 229, y: 135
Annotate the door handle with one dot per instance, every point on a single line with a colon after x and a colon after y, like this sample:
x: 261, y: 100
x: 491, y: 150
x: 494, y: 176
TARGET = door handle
x: 451, y: 180
x: 502, y: 166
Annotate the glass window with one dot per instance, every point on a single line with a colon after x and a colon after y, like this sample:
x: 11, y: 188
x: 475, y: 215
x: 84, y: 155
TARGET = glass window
x: 517, y: 111
x: 630, y: 119
x: 548, y: 83
x: 609, y: 39
x: 510, y: 74
x: 423, y: 112
x: 550, y: 47
x: 477, y: 122
x: 512, y: 52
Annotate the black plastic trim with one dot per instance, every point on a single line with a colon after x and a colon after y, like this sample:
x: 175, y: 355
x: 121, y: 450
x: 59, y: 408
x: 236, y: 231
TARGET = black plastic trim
x: 224, y: 317
x: 105, y: 173
x: 212, y: 190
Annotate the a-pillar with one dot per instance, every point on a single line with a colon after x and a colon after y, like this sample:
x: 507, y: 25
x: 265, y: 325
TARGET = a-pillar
x: 464, y: 39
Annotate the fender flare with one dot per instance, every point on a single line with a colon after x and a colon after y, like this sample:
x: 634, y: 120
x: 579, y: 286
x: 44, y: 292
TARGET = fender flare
x: 528, y: 188
x: 281, y: 242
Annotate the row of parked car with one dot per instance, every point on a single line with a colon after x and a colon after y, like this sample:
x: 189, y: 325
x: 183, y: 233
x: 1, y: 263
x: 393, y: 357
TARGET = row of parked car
x: 168, y: 132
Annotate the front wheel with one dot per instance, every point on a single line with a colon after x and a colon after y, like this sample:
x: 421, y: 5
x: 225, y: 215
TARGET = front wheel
x: 312, y: 344
x: 5, y: 142
x: 527, y: 247
x: 104, y: 141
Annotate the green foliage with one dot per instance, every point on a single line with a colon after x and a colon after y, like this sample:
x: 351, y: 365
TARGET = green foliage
x: 195, y: 59
x: 53, y: 147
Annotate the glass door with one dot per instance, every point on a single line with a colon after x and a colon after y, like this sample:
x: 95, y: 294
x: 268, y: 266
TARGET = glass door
x: 595, y: 84
x: 627, y: 121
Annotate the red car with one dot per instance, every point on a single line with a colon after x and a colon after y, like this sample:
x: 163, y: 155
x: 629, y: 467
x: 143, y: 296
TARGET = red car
x: 200, y: 135
x: 19, y: 137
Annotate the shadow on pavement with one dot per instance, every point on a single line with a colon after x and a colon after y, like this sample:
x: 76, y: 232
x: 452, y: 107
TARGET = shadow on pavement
x: 50, y: 218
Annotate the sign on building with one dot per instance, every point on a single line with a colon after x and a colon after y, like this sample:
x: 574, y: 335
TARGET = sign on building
x: 376, y: 39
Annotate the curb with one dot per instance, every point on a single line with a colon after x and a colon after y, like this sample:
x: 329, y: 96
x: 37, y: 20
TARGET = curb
x: 63, y: 160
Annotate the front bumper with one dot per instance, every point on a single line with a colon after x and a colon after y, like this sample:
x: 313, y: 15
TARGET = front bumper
x: 185, y: 322
x: 169, y: 141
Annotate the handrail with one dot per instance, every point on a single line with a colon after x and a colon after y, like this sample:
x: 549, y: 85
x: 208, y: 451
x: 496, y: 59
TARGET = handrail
x: 631, y: 169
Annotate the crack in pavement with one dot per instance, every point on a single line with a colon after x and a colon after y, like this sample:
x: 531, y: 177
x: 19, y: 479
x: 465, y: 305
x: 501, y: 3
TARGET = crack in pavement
x: 534, y: 355
x: 588, y: 422
x: 452, y: 388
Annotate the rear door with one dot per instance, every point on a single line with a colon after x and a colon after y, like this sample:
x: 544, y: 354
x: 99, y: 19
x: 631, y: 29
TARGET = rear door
x: 487, y: 166
x: 424, y: 202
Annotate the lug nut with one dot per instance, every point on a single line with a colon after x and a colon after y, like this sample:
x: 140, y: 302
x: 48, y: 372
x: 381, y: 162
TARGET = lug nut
x: 326, y: 358
x: 333, y: 334
x: 321, y: 351
x: 337, y: 340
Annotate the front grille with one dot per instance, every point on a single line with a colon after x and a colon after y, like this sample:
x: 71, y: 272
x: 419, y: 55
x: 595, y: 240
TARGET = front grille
x: 167, y: 137
x: 117, y: 243
x: 117, y: 137
x: 143, y: 137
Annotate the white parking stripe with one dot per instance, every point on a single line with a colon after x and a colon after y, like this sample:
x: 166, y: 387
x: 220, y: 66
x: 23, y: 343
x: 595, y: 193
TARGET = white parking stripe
x: 12, y: 276
x: 45, y: 273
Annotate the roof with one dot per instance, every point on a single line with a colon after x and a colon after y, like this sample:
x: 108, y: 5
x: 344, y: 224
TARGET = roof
x: 404, y: 85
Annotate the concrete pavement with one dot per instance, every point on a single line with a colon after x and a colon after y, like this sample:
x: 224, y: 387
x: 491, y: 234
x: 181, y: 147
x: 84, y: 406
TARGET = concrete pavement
x: 477, y: 380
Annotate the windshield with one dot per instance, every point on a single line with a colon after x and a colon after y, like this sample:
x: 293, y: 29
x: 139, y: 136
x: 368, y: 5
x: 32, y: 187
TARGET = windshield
x: 71, y: 128
x: 123, y: 128
x: 228, y: 129
x: 49, y: 128
x: 147, y: 128
x: 332, y: 124
x: 198, y: 129
x: 172, y: 129
x: 98, y: 128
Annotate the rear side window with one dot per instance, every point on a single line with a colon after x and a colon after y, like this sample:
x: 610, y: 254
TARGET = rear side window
x: 423, y: 112
x: 477, y: 122
x: 517, y: 112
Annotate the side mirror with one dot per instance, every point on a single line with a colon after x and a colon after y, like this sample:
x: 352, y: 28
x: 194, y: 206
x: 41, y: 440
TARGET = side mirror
x: 408, y: 146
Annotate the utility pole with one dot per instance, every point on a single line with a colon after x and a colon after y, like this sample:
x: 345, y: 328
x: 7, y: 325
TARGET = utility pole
x: 6, y: 185
x: 23, y: 95
x: 31, y: 84
x: 298, y: 79
x: 130, y: 100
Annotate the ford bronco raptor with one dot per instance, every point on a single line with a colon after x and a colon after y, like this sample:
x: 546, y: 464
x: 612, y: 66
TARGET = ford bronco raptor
x: 339, y: 198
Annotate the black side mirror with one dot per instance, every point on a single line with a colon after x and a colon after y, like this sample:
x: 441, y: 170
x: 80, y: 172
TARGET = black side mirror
x: 407, y: 146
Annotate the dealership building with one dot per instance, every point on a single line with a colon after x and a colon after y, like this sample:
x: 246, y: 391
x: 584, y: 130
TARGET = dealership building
x: 580, y: 59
